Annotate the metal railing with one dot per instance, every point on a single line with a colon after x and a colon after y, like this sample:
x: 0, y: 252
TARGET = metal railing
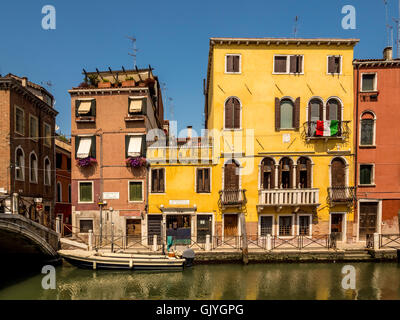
x: 228, y: 242
x: 341, y: 194
x: 389, y: 241
x: 232, y: 198
x: 274, y: 197
x: 310, y: 130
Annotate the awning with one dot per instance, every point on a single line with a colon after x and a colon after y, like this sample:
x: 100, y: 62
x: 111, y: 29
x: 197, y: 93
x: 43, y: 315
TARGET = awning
x: 84, y: 107
x: 135, y: 146
x: 84, y: 147
x: 135, y: 104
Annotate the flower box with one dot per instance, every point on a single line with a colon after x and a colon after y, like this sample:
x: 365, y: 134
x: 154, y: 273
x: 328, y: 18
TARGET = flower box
x: 128, y: 83
x: 136, y: 162
x: 86, y: 162
x: 104, y: 85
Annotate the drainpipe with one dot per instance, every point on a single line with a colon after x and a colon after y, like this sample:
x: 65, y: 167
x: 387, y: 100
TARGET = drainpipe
x: 356, y: 145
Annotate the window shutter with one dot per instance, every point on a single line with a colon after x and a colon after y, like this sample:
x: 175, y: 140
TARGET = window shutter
x: 331, y: 64
x: 161, y: 180
x: 199, y: 180
x: 236, y: 63
x: 154, y: 180
x: 297, y: 174
x: 229, y: 63
x: 229, y: 114
x: 291, y: 168
x: 77, y: 140
x: 280, y: 64
x: 299, y: 62
x: 236, y: 114
x: 277, y: 114
x: 127, y: 137
x: 272, y: 174
x: 144, y: 146
x: 77, y: 103
x: 309, y: 168
x: 207, y: 180
x: 93, y: 108
x: 296, y: 115
x: 93, y: 148
x: 280, y: 175
x: 293, y: 64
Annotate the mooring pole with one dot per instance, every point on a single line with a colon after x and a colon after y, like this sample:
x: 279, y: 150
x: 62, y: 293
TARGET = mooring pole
x: 245, y: 252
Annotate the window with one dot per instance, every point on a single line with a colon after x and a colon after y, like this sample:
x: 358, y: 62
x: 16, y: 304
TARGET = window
x: 33, y: 168
x: 203, y: 180
x: 315, y: 113
x: 304, y: 226
x: 137, y: 105
x: 367, y: 129
x: 19, y: 121
x: 288, y: 64
x: 135, y: 146
x: 85, y: 226
x: 267, y: 174
x: 335, y: 64
x: 333, y: 110
x: 19, y: 164
x: 59, y: 192
x: 285, y: 173
x: 368, y: 82
x: 69, y: 193
x: 366, y: 174
x: 47, y: 135
x: 135, y: 191
x: 47, y: 172
x: 86, y: 191
x: 232, y: 63
x: 303, y: 174
x: 232, y: 113
x: 85, y: 108
x: 285, y: 226
x: 58, y: 160
x: 157, y: 180
x: 85, y: 147
x: 286, y: 109
x: 69, y: 164
x: 33, y: 127
x: 265, y: 225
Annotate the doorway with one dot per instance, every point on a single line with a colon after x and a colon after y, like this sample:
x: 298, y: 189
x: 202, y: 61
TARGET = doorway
x: 337, y: 225
x: 368, y: 219
x: 133, y: 230
x: 230, y: 225
x: 204, y: 227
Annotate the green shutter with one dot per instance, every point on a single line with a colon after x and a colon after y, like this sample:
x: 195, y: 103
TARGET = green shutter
x: 93, y: 108
x: 85, y: 191
x: 144, y: 146
x: 77, y: 103
x: 127, y: 137
x: 135, y: 191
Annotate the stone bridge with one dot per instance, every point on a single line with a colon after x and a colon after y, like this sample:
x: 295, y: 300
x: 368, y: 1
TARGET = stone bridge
x: 20, y: 236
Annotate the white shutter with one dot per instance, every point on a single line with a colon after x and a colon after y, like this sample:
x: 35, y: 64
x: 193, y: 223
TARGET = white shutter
x: 84, y: 147
x: 135, y: 146
x: 84, y: 107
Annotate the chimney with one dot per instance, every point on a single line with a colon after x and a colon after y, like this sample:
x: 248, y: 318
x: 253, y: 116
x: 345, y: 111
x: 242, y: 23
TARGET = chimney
x: 24, y: 81
x: 388, y: 54
x: 189, y: 132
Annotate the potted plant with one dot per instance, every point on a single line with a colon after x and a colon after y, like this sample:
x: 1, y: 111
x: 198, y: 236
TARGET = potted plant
x: 129, y: 82
x: 117, y: 84
x: 86, y: 162
x: 104, y: 84
x: 136, y: 162
x: 93, y: 80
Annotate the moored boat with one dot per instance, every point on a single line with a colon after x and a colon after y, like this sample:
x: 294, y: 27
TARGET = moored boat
x: 107, y: 260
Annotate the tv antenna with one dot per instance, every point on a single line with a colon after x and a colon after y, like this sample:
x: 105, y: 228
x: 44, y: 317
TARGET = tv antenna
x: 134, y: 50
x: 169, y: 99
x: 296, y: 20
x: 46, y: 83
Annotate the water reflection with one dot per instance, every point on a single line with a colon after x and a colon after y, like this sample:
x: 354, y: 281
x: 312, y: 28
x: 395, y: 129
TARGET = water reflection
x: 320, y: 281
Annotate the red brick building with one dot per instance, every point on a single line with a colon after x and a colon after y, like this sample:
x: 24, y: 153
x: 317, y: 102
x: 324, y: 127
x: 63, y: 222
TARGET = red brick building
x: 111, y: 115
x: 27, y: 153
x: 63, y: 183
x: 377, y: 137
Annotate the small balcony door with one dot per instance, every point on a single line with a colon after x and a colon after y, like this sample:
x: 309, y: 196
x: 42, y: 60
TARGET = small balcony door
x: 338, y: 173
x: 337, y: 225
x: 231, y: 176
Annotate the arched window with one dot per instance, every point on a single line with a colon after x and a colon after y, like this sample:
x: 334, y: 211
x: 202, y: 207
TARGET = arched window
x: 267, y: 174
x: 47, y: 172
x: 286, y: 114
x: 315, y: 113
x: 19, y: 164
x: 33, y: 168
x: 338, y: 173
x: 231, y: 175
x: 367, y: 136
x: 59, y: 192
x: 285, y: 179
x: 333, y: 110
x: 232, y: 113
x: 303, y: 174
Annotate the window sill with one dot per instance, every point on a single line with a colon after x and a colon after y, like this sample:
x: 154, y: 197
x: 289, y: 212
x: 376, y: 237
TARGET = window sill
x: 334, y: 74
x: 226, y: 72
x: 33, y: 182
x: 203, y: 192
x: 367, y: 185
x: 158, y: 193
x: 84, y: 202
x: 227, y: 129
x: 86, y: 119
x: 367, y: 146
x: 289, y: 73
x: 136, y: 201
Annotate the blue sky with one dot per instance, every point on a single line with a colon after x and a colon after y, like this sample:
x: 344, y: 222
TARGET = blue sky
x: 172, y: 36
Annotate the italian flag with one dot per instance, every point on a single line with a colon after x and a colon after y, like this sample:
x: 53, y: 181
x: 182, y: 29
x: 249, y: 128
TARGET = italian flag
x: 327, y: 128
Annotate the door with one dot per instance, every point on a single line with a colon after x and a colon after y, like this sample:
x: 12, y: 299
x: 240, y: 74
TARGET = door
x: 133, y: 228
x: 337, y: 225
x: 204, y: 227
x: 368, y: 218
x: 265, y: 225
x: 338, y: 173
x: 179, y: 228
x: 304, y: 225
x: 230, y: 225
x: 231, y: 183
x: 154, y: 228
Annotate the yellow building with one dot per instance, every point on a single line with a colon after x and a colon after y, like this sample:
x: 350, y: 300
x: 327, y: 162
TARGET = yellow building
x: 279, y: 113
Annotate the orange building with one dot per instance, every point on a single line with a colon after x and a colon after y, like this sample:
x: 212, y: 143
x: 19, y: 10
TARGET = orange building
x: 112, y: 111
x: 377, y: 137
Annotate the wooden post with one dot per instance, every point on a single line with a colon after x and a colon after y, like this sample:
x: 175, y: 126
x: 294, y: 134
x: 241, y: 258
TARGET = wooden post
x: 155, y: 242
x: 90, y: 240
x: 245, y: 253
x: 208, y: 243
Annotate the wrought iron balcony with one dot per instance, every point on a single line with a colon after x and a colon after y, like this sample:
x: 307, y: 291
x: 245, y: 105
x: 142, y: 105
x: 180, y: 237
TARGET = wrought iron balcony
x: 85, y: 118
x: 232, y: 198
x: 345, y: 195
x: 310, y: 132
x: 288, y: 197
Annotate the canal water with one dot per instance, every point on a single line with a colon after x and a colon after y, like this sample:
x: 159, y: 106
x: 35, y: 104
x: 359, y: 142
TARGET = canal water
x: 289, y: 281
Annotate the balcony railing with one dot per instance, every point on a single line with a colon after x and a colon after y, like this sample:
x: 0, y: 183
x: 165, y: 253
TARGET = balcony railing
x: 232, y: 198
x: 288, y: 197
x: 85, y: 119
x: 310, y: 130
x: 341, y: 194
